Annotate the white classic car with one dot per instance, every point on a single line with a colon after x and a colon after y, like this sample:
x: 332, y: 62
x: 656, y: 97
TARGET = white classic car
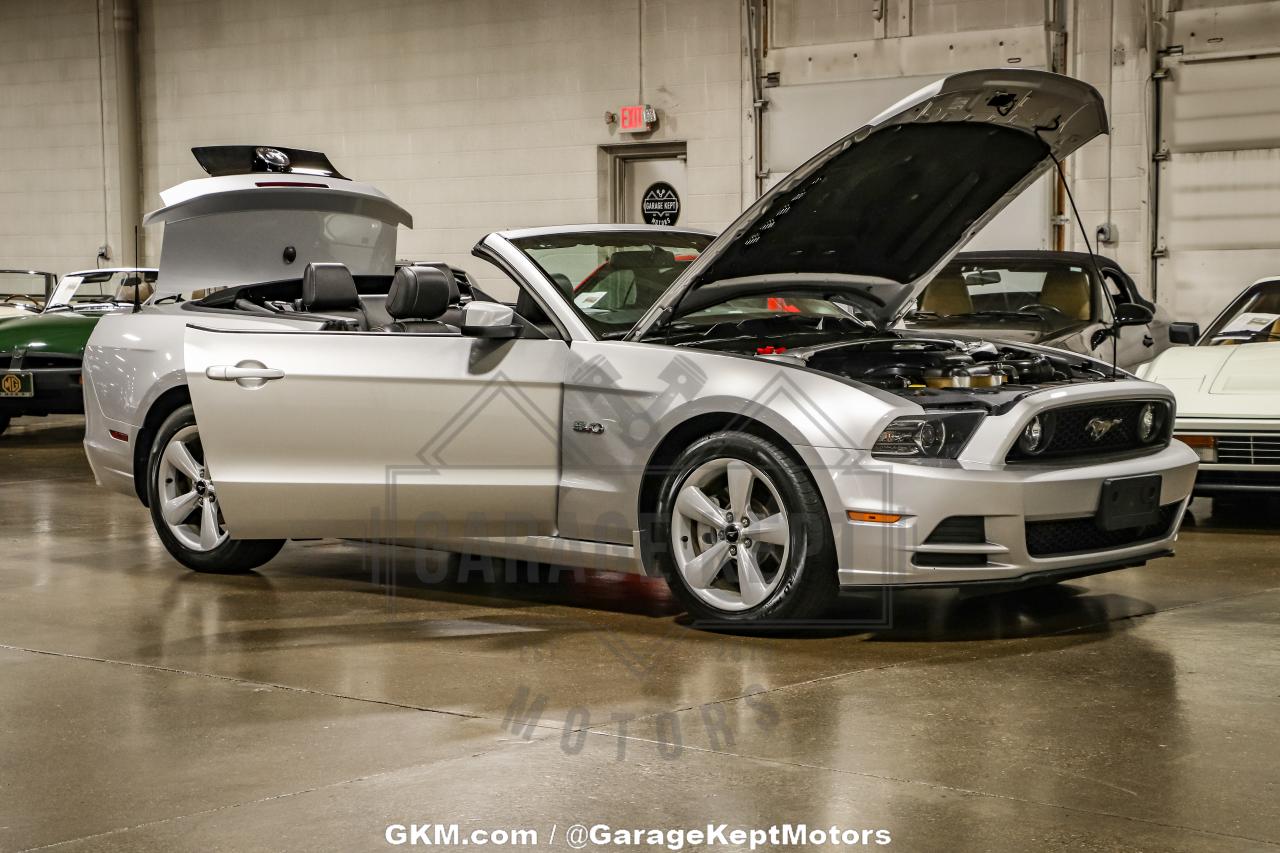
x: 735, y: 414
x: 1228, y: 390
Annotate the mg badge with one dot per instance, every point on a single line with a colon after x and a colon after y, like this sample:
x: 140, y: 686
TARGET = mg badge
x: 1098, y: 427
x: 11, y: 384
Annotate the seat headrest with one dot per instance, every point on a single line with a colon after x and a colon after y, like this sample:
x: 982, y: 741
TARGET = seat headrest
x: 947, y: 296
x: 134, y: 290
x: 421, y: 293
x: 328, y: 287
x: 642, y: 259
x: 1068, y: 291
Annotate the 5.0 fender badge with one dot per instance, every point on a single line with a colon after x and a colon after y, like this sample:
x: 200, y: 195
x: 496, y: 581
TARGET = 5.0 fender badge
x: 583, y: 426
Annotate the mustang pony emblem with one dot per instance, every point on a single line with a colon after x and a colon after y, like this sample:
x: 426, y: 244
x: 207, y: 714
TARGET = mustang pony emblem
x: 1098, y: 427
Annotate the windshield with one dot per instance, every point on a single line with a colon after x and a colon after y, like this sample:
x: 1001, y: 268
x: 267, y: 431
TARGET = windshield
x: 23, y: 287
x: 1047, y: 294
x: 612, y: 278
x: 1251, y: 319
x: 104, y: 290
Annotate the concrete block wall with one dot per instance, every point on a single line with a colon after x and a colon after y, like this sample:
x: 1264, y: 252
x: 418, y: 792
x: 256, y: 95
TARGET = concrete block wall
x: 1107, y: 43
x: 54, y: 212
x: 476, y: 115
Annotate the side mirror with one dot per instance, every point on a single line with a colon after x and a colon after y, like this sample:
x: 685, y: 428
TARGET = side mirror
x: 1184, y: 333
x: 489, y: 320
x: 1132, y: 314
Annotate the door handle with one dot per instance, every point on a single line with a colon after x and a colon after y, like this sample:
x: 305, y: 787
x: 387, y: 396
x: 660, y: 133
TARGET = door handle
x: 224, y: 373
x: 246, y: 374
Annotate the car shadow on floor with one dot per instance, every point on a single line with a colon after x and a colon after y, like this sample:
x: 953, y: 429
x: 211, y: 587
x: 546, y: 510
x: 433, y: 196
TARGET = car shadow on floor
x: 935, y: 615
x: 60, y: 431
x: 1247, y: 513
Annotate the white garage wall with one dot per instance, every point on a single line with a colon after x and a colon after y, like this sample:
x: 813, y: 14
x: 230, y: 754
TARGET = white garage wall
x: 475, y: 115
x: 51, y: 136
x: 484, y: 114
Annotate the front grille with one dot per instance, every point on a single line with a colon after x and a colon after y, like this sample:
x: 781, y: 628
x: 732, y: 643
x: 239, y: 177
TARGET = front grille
x: 1249, y: 448
x: 38, y: 362
x: 959, y: 530
x: 1081, y: 535
x: 1071, y: 434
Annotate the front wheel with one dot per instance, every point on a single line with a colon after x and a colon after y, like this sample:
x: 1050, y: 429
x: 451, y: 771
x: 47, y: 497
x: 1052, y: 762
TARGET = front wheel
x: 743, y: 533
x: 184, y: 504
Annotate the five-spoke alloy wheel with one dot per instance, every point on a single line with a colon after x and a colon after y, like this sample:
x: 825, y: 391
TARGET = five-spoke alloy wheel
x: 184, y: 504
x: 745, y: 534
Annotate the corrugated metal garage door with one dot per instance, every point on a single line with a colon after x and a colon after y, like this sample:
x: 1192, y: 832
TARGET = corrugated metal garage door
x: 1218, y: 226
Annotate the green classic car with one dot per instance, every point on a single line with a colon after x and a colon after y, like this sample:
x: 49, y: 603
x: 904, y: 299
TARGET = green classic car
x: 41, y: 353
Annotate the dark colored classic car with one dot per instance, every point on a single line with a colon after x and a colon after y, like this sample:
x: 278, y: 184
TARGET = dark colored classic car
x: 41, y: 351
x: 1059, y: 299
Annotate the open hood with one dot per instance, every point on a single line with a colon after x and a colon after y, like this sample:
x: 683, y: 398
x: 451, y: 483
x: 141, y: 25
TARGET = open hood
x: 875, y: 215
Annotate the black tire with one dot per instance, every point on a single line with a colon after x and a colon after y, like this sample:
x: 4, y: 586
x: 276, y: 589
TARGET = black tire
x: 808, y: 584
x: 4, y: 423
x: 234, y: 556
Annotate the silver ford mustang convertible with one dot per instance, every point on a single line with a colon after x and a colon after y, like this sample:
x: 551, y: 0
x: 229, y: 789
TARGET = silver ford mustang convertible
x: 735, y: 414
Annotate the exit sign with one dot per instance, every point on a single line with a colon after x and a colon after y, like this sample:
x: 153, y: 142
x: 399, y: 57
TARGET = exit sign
x: 637, y: 118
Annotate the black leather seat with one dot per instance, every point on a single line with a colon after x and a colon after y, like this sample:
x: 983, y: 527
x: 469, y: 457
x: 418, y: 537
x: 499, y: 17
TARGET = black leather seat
x: 418, y: 298
x: 330, y: 290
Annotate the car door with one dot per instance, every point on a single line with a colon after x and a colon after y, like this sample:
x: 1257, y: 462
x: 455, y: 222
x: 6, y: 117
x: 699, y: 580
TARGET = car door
x: 363, y: 435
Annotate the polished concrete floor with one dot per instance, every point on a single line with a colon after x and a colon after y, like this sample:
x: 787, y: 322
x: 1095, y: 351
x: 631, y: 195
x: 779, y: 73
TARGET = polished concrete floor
x: 308, y: 706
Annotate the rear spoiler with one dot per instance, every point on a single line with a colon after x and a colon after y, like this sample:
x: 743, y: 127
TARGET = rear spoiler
x: 221, y: 160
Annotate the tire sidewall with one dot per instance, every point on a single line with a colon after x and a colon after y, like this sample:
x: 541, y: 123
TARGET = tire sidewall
x: 809, y: 550
x: 233, y: 555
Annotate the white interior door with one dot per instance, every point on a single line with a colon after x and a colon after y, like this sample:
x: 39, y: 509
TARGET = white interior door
x: 414, y: 436
x: 650, y: 177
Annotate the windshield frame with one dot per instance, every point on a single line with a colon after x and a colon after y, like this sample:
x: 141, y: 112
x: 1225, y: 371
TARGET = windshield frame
x: 50, y: 284
x: 1234, y: 309
x: 63, y: 295
x: 1100, y: 305
x: 565, y: 307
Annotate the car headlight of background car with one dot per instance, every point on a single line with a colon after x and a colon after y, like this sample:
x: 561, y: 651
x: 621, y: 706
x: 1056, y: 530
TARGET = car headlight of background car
x: 928, y: 436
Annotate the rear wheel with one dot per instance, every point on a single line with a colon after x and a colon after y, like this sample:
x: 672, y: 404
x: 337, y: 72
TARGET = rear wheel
x: 184, y: 504
x: 744, y: 535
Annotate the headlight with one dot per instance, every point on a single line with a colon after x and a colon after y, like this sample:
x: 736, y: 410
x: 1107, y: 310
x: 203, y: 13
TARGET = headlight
x: 927, y: 436
x: 1151, y: 421
x: 1036, y: 435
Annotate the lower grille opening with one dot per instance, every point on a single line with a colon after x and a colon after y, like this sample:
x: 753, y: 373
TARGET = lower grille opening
x: 948, y: 561
x: 959, y: 530
x: 1081, y: 535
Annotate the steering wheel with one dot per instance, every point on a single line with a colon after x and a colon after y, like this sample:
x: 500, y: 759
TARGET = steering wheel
x: 21, y: 300
x: 1038, y: 307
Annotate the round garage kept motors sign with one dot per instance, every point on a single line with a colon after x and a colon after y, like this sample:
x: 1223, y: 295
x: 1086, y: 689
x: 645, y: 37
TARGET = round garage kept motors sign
x: 660, y: 204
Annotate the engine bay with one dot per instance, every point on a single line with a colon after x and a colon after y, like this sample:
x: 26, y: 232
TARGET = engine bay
x: 933, y: 370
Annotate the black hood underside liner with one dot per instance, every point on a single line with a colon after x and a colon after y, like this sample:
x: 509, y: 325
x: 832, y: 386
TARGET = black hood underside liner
x: 890, y: 206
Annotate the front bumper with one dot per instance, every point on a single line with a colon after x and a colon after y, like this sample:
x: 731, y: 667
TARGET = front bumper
x: 1057, y: 501
x: 57, y: 392
x: 1244, y: 459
